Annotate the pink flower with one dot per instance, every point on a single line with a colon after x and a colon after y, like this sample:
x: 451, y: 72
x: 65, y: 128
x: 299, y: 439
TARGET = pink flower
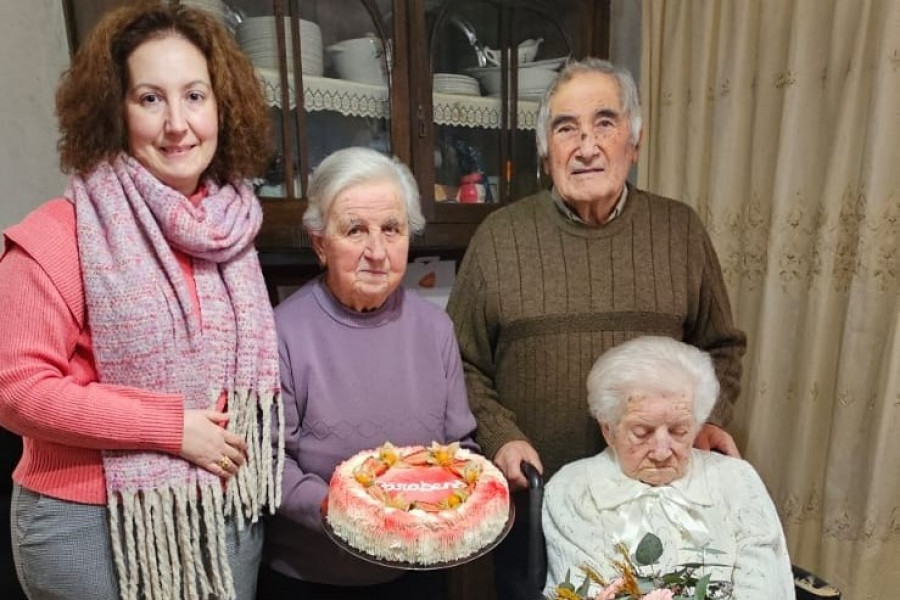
x: 659, y: 595
x: 609, y: 592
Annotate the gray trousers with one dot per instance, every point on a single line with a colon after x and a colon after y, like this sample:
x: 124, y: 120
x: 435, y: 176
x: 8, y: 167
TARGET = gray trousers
x: 62, y: 550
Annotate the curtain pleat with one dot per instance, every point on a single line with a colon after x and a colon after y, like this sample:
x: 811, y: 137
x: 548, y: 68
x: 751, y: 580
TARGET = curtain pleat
x: 779, y: 121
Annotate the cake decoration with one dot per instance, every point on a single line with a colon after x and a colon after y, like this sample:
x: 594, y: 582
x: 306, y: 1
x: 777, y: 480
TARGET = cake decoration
x: 418, y: 505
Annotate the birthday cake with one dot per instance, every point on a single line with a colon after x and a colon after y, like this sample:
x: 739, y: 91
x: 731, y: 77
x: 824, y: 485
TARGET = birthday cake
x: 418, y: 505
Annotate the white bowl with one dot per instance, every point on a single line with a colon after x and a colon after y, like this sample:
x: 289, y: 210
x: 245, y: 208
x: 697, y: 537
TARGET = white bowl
x: 531, y: 76
x: 526, y: 52
x: 360, y: 59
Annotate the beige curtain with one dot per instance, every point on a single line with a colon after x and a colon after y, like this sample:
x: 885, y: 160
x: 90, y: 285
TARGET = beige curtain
x: 779, y: 121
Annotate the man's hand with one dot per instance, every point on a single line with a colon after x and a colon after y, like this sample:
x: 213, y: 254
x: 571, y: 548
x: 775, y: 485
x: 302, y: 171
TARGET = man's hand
x: 509, y: 459
x: 713, y: 437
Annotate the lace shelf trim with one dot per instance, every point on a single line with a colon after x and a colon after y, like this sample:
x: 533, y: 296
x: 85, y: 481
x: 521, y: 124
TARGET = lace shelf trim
x: 353, y: 99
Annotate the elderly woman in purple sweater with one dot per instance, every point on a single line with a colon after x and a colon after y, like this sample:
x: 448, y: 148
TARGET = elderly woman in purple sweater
x: 362, y: 362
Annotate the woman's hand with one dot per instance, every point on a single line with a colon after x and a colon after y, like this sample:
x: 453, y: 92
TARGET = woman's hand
x: 207, y: 444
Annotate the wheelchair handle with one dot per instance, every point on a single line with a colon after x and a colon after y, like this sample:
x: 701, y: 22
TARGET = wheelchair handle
x: 537, y: 562
x: 535, y: 480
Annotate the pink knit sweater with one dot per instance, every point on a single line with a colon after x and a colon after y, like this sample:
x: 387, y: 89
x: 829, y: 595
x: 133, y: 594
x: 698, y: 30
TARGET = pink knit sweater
x: 48, y: 381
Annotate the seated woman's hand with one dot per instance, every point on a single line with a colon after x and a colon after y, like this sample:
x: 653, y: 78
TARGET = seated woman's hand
x: 207, y: 444
x: 610, y: 591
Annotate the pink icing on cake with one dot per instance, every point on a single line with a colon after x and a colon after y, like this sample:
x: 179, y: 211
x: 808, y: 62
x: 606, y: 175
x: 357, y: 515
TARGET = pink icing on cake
x: 418, y: 505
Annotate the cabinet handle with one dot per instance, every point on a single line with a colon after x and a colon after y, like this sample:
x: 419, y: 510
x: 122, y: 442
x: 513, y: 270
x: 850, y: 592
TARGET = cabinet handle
x: 389, y: 54
x: 421, y: 116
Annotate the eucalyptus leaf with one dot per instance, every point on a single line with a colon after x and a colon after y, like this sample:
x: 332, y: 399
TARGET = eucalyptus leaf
x: 649, y: 550
x: 678, y: 577
x: 700, y: 590
x: 567, y: 584
x: 700, y: 565
x: 584, y: 588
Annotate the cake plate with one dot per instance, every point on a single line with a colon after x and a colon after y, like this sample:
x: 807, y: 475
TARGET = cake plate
x: 409, y: 566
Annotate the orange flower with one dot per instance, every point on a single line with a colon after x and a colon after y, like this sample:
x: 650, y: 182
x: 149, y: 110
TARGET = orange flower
x: 388, y: 453
x: 443, y: 455
x: 593, y: 575
x: 566, y: 594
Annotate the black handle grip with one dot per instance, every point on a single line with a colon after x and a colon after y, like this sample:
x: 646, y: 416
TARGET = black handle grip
x: 537, y: 561
x: 535, y: 480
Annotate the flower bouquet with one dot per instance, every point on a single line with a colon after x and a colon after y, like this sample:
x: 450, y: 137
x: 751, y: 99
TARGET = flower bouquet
x: 638, y: 580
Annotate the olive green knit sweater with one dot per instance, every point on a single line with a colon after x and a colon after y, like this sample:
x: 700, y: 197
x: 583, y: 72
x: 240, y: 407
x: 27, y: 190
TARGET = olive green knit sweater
x: 539, y: 297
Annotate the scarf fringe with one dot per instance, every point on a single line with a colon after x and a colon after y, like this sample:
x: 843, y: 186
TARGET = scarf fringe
x: 171, y: 542
x: 157, y: 533
x: 258, y: 483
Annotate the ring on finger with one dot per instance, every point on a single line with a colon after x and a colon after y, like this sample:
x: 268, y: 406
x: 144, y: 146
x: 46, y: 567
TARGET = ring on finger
x: 225, y: 463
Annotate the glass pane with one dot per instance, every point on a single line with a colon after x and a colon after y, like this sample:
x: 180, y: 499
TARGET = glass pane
x: 345, y: 48
x: 546, y: 31
x: 350, y: 105
x: 477, y: 147
x: 467, y: 120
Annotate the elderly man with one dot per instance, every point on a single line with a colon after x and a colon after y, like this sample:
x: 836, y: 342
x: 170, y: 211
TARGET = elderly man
x: 552, y: 281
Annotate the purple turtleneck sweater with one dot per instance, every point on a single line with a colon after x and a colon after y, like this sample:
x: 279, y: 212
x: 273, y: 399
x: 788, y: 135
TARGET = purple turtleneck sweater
x: 352, y: 381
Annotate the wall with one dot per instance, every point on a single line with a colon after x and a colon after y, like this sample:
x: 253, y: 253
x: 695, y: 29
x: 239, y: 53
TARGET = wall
x: 33, y: 52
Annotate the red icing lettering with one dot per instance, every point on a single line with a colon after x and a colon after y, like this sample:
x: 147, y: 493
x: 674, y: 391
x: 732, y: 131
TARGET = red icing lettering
x: 420, y: 484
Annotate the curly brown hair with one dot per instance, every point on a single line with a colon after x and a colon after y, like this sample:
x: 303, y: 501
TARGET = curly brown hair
x: 90, y: 100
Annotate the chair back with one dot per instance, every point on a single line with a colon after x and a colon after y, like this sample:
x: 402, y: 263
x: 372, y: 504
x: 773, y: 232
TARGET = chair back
x: 810, y: 587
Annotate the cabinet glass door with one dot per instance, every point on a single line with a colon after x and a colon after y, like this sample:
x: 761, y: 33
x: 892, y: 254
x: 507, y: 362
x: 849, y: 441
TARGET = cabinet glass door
x: 337, y: 59
x: 485, y: 97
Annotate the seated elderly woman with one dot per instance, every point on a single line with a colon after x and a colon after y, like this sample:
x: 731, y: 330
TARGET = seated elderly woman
x: 650, y: 396
x: 362, y: 362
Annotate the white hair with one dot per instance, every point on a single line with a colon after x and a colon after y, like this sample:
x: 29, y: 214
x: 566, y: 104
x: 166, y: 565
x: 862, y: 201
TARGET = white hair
x: 351, y: 166
x: 651, y: 364
x: 628, y: 96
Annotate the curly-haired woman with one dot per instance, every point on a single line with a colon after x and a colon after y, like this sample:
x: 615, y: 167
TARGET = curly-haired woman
x: 138, y: 358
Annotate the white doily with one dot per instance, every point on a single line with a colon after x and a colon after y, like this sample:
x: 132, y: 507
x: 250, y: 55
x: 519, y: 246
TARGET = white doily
x: 353, y: 99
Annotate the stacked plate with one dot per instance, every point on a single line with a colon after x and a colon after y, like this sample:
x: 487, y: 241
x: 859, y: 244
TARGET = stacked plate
x: 257, y: 37
x: 452, y: 83
x: 531, y: 95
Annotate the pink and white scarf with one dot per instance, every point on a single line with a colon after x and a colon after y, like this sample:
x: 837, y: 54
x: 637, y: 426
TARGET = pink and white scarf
x: 167, y: 515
